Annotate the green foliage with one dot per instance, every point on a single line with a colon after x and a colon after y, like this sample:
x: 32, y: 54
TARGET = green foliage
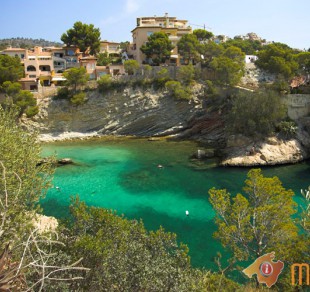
x: 124, y: 256
x: 249, y: 47
x: 228, y: 71
x: 105, y: 83
x: 147, y: 70
x: 189, y: 48
x: 103, y: 59
x: 23, y: 99
x: 255, y: 113
x: 131, y: 66
x: 211, y: 50
x: 84, y: 36
x: 211, y: 89
x: 158, y: 48
x: 11, y: 88
x: 287, y: 128
x: 277, y: 58
x: 76, y: 78
x: 305, y: 217
x: 78, y: 98
x: 303, y: 60
x: 23, y: 182
x: 31, y: 111
x: 202, y: 34
x: 62, y: 93
x: 186, y: 74
x: 10, y: 69
x: 177, y: 90
x: 259, y: 222
x: 162, y: 76
x: 235, y: 54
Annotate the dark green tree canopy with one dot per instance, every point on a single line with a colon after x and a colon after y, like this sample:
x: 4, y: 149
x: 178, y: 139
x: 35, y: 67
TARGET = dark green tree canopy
x: 278, y: 58
x: 258, y: 222
x: 10, y: 69
x: 76, y: 77
x: 189, y: 47
x: 158, y: 48
x: 248, y: 47
x: 202, y: 34
x: 84, y: 36
x: 255, y: 113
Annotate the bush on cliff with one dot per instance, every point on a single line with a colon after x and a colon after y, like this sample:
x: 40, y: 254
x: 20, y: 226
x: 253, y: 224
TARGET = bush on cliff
x: 255, y: 113
x: 177, y: 90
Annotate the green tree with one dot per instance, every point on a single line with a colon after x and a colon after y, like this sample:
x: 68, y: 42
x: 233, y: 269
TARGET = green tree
x: 105, y: 83
x: 249, y: 47
x: 124, y: 256
x: 235, y: 54
x: 277, y: 58
x: 23, y: 181
x: 227, y: 71
x: 303, y: 60
x: 258, y: 222
x: 76, y: 78
x: 10, y: 69
x: 131, y: 66
x: 255, y: 113
x: 78, y: 98
x: 31, y: 256
x: 186, y: 74
x: 158, y: 48
x: 210, y: 50
x: 202, y: 34
x: 84, y: 36
x: 22, y: 98
x: 103, y: 59
x: 177, y: 90
x: 189, y: 48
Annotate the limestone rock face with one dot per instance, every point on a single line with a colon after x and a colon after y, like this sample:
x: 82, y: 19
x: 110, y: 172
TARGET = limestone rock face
x: 273, y: 151
x: 130, y: 112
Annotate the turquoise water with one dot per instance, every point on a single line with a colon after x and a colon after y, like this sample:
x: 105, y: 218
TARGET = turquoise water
x: 123, y: 175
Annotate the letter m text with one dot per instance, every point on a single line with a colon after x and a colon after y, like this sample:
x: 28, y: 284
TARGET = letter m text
x: 299, y: 268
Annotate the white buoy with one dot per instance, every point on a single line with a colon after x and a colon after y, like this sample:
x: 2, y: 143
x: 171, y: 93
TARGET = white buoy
x: 159, y: 166
x: 58, y: 188
x: 186, y: 213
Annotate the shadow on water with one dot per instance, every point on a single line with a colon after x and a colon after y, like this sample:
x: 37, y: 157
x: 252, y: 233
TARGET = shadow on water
x: 190, y: 231
x: 52, y: 207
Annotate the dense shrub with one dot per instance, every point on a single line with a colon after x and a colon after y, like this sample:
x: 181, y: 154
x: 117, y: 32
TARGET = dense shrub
x: 255, y: 113
x: 79, y: 98
x: 62, y: 93
x: 177, y: 90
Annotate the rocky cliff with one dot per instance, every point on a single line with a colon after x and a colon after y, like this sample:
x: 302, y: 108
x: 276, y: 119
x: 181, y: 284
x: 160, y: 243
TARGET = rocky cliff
x: 146, y: 113
x: 130, y: 112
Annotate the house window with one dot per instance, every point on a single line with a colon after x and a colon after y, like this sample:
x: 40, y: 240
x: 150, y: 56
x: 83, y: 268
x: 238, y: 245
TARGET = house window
x: 32, y: 76
x: 22, y: 56
x: 31, y: 68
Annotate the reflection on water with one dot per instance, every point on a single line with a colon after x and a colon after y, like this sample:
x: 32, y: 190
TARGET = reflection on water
x: 124, y: 175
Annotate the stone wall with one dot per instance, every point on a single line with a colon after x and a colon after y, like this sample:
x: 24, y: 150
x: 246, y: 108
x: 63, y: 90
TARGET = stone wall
x: 298, y: 105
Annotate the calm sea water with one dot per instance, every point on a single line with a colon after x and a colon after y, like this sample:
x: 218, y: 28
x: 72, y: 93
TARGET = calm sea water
x: 123, y: 175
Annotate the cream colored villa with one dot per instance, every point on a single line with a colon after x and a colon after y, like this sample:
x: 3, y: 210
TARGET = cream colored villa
x: 146, y: 26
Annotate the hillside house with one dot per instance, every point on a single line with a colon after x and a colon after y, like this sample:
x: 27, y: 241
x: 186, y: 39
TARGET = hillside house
x: 146, y: 26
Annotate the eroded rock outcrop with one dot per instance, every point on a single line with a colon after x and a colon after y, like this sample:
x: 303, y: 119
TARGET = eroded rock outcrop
x: 131, y: 112
x: 272, y: 151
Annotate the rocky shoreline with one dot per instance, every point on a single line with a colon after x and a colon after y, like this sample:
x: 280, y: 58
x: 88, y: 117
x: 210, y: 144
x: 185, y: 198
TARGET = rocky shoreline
x: 155, y: 115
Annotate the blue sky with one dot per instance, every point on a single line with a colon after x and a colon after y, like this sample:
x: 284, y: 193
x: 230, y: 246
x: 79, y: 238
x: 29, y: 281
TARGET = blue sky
x: 284, y: 21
